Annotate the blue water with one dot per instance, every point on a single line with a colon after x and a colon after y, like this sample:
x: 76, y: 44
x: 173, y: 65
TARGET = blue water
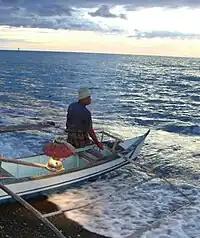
x: 130, y: 94
x: 155, y: 92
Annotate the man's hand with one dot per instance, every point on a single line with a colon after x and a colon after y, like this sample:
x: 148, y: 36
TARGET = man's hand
x: 94, y: 138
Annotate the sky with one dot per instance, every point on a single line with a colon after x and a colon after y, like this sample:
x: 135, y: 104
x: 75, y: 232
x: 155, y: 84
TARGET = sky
x: 145, y: 27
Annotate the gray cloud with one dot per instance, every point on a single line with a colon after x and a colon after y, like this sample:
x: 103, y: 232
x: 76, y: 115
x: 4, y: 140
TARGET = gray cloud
x: 23, y: 17
x: 40, y: 8
x: 104, y: 11
x: 135, y: 3
x: 48, y: 9
x: 51, y: 23
x: 9, y: 2
x: 164, y: 34
x: 92, y: 3
x: 46, y: 14
x: 66, y: 14
x: 53, y: 10
x: 51, y: 15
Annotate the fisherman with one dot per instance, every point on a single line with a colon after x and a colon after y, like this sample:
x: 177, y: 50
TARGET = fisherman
x: 79, y: 122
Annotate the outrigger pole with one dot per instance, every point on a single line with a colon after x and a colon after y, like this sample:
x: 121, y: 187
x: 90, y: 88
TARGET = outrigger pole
x: 26, y: 163
x: 32, y: 210
x: 25, y: 127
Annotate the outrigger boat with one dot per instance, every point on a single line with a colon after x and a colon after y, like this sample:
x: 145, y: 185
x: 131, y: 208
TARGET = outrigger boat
x: 62, y: 165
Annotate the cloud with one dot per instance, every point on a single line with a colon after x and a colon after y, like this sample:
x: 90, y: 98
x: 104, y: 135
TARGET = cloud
x: 9, y: 2
x: 164, y: 34
x: 104, y: 11
x: 47, y: 14
x: 43, y: 16
x: 53, y: 10
x: 77, y: 15
x: 95, y: 3
x: 40, y: 8
x: 135, y: 3
x: 70, y: 24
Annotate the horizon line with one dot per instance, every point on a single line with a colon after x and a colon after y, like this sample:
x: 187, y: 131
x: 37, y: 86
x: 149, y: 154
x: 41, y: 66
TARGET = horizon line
x: 89, y: 52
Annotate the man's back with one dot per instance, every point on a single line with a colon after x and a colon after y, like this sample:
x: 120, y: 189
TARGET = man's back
x: 78, y: 118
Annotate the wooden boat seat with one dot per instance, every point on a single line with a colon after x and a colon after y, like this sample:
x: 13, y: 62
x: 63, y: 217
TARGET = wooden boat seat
x: 91, y: 155
x: 110, y: 144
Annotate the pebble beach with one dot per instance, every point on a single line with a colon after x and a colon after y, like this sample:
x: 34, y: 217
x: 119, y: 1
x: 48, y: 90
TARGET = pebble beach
x: 17, y: 221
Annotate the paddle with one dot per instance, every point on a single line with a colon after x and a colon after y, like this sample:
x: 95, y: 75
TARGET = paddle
x: 26, y: 163
x: 27, y: 126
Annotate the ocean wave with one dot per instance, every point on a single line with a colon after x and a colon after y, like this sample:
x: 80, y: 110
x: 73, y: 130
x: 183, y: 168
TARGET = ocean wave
x: 169, y: 124
x: 182, y: 129
x: 191, y: 78
x: 195, y: 98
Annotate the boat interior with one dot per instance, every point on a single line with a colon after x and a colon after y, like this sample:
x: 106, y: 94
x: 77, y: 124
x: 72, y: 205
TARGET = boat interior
x: 84, y: 158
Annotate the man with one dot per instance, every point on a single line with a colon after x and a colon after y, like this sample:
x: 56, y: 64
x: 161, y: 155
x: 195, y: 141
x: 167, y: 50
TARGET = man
x: 79, y: 121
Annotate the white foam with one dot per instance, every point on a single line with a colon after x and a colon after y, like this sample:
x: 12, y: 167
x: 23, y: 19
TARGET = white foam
x: 130, y: 209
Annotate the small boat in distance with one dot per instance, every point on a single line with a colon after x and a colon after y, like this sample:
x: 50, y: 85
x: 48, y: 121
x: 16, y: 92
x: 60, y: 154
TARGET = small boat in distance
x: 40, y: 174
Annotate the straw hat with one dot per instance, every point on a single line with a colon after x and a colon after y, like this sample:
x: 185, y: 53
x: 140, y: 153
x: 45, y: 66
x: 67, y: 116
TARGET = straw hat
x: 83, y: 93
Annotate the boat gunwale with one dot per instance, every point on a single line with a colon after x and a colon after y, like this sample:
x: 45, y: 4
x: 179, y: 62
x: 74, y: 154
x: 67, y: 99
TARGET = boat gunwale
x: 49, y: 188
x: 60, y: 173
x: 13, y: 180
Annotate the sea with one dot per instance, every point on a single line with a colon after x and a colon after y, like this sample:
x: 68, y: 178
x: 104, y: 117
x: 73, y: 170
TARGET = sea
x: 130, y: 94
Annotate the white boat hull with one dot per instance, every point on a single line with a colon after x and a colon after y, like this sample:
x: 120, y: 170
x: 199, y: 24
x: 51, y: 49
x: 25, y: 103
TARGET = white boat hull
x: 45, y: 185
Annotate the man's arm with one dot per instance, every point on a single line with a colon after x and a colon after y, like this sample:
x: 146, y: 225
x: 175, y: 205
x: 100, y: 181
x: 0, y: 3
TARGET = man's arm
x: 68, y: 117
x: 94, y: 138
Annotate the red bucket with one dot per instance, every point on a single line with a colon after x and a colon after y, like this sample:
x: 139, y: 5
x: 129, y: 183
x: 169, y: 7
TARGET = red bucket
x: 56, y: 150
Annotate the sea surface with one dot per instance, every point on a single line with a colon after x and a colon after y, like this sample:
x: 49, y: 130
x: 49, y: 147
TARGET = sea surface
x: 130, y: 94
